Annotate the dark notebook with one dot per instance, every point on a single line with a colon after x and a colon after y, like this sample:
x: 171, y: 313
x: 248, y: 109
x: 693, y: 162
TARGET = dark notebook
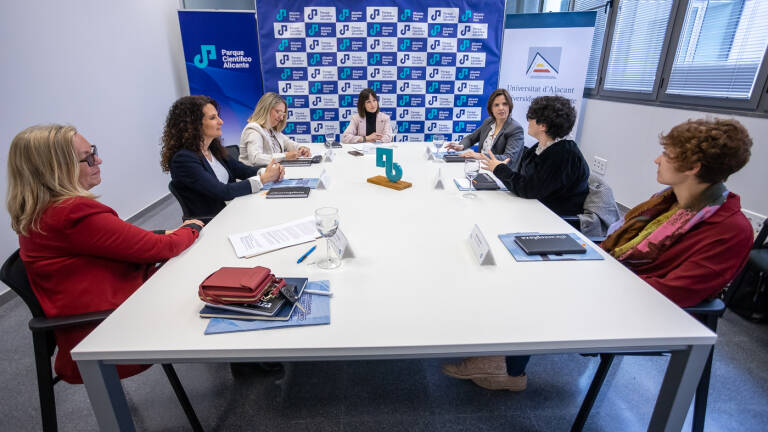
x: 302, y: 161
x: 454, y: 158
x: 332, y: 144
x: 485, y: 182
x: 288, y: 192
x: 278, y: 309
x: 549, y: 244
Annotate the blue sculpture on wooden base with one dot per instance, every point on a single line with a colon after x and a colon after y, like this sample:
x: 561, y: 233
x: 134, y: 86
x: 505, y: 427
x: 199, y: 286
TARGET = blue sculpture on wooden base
x: 385, y: 158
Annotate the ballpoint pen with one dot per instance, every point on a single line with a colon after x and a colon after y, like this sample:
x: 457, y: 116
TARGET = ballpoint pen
x: 312, y: 249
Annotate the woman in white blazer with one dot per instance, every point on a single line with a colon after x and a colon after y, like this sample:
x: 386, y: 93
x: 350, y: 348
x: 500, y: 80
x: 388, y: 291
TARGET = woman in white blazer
x: 262, y: 140
x: 370, y: 125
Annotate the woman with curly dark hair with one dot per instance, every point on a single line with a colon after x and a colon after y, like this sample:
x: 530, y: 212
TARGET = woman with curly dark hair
x: 687, y: 241
x: 554, y: 170
x: 201, y: 172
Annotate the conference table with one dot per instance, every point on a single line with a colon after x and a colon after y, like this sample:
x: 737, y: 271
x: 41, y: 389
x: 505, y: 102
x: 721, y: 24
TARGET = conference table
x: 414, y: 289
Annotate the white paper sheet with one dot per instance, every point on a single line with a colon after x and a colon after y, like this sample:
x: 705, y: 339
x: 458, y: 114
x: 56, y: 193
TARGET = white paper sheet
x: 265, y: 240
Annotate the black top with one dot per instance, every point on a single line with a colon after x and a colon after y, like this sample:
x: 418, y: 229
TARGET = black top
x: 198, y: 186
x: 557, y: 177
x: 370, y: 123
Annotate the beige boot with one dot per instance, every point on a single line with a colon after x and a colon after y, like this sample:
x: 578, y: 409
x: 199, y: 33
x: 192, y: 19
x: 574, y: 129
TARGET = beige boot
x: 477, y: 367
x: 511, y: 383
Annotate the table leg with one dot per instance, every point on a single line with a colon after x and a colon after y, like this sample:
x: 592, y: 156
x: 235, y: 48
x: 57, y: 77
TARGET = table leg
x: 677, y: 390
x: 106, y: 395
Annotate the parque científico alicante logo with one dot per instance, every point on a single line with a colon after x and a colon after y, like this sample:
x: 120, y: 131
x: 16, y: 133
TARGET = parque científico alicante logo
x: 230, y: 59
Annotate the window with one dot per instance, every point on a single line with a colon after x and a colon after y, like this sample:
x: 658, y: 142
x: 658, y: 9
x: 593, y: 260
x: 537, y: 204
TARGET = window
x: 601, y: 7
x: 638, y: 38
x: 720, y: 49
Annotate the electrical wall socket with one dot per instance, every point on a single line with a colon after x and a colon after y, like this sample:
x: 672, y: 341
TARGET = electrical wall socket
x: 757, y: 220
x: 599, y: 165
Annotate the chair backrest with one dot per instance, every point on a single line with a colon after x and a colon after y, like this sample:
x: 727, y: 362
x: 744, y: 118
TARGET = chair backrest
x: 600, y: 209
x: 761, y: 237
x: 233, y: 151
x: 14, y: 275
x: 184, y: 208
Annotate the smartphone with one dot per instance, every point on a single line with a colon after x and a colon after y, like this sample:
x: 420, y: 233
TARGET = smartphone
x: 355, y: 153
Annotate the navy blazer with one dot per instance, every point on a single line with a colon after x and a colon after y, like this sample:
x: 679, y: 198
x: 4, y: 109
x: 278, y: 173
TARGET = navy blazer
x: 198, y: 186
x: 508, y: 144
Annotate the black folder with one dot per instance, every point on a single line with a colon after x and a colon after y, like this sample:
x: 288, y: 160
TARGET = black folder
x: 549, y: 244
x: 288, y: 192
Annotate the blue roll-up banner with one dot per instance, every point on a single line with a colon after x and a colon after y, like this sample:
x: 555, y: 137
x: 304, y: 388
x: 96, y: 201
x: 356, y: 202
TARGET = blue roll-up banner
x: 544, y: 55
x: 221, y: 52
x: 432, y: 63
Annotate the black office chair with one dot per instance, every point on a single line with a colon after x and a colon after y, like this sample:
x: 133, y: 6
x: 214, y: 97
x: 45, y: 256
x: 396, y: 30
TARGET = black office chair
x: 708, y: 312
x: 233, y: 151
x: 185, y: 212
x: 15, y: 276
x: 755, y: 271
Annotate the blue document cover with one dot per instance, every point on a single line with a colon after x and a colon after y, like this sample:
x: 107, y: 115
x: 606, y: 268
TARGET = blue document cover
x: 303, y: 182
x: 317, y: 311
x: 520, y: 255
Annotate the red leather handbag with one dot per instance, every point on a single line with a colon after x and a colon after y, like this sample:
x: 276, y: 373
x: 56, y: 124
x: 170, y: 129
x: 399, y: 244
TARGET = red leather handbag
x: 229, y: 285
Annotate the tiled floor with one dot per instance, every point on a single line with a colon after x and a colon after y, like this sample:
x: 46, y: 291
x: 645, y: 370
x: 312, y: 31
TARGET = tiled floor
x: 396, y: 395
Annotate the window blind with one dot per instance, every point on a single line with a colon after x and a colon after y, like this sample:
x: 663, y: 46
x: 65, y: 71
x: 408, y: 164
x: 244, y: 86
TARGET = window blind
x: 721, y: 48
x: 638, y: 38
x: 597, y: 40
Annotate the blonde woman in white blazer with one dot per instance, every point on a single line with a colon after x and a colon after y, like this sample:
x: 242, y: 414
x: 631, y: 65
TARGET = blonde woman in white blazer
x: 370, y: 125
x: 262, y: 140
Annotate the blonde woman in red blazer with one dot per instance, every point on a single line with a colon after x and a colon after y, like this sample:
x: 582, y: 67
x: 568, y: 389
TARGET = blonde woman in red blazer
x: 370, y: 125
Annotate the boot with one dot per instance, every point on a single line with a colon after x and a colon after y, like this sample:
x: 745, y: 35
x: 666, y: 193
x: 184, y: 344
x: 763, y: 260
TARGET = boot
x: 477, y: 367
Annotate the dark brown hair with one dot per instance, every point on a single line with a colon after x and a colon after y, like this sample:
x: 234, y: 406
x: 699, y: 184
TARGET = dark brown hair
x: 496, y: 93
x: 721, y: 146
x: 184, y: 129
x: 363, y: 98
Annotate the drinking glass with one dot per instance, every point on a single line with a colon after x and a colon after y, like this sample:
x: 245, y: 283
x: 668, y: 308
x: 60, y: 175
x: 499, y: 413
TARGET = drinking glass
x: 471, y: 169
x: 327, y: 222
x: 329, y: 138
x: 438, y: 141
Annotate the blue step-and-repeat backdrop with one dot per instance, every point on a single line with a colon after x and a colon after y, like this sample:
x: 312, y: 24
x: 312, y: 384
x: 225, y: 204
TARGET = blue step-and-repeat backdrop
x: 432, y: 63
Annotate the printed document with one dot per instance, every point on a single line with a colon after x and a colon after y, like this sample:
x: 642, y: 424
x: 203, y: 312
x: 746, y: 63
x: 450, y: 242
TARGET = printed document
x: 265, y: 240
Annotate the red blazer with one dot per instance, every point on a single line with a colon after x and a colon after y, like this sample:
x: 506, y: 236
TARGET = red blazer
x: 703, y: 260
x: 86, y: 259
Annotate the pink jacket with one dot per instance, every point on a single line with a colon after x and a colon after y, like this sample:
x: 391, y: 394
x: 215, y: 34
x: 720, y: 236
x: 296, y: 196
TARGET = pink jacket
x: 355, y: 132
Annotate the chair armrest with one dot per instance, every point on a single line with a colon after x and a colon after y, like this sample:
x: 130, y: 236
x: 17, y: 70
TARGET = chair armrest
x: 573, y: 221
x: 45, y: 324
x: 707, y: 307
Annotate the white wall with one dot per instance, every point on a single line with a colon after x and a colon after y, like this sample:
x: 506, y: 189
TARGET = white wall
x: 627, y: 135
x: 112, y: 69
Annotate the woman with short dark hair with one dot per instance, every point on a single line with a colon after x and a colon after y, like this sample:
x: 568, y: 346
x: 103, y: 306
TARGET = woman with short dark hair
x: 553, y: 170
x: 687, y: 241
x: 499, y: 134
x: 202, y: 172
x: 370, y: 124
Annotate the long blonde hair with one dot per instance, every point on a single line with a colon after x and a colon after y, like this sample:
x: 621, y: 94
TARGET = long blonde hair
x: 42, y: 169
x: 264, y: 107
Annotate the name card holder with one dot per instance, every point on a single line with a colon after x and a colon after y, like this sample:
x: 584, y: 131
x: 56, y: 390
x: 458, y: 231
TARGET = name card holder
x: 480, y: 247
x: 328, y: 155
x: 429, y: 154
x: 324, y: 180
x: 340, y: 245
x: 438, y: 182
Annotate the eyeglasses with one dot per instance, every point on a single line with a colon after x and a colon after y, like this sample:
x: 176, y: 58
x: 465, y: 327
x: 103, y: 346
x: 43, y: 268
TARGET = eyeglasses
x: 91, y: 158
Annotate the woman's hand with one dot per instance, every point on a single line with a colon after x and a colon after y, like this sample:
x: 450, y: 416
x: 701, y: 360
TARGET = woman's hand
x: 373, y: 137
x: 187, y: 222
x: 454, y: 146
x: 471, y: 154
x: 304, y: 151
x: 273, y: 172
x: 490, y: 162
x: 291, y: 155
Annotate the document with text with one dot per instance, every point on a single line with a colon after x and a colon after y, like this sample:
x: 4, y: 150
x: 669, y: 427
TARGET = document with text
x: 265, y: 240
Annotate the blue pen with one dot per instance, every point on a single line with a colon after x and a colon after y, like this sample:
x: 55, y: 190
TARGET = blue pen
x: 312, y: 249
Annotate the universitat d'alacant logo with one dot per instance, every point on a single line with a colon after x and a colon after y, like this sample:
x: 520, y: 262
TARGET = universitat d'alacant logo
x: 544, y: 62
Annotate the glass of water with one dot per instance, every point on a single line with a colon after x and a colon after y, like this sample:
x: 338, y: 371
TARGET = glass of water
x: 327, y: 223
x: 438, y: 141
x: 471, y: 169
x: 329, y: 139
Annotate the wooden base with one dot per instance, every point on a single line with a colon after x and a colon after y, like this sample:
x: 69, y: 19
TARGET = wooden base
x: 384, y: 181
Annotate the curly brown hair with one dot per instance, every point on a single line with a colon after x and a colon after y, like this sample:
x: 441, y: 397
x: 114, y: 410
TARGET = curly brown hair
x: 183, y: 129
x: 721, y: 146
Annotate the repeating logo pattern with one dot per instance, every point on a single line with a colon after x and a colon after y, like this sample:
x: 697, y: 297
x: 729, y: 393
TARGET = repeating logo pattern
x: 432, y: 67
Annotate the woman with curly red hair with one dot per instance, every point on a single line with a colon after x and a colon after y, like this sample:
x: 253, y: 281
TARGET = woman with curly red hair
x: 201, y: 171
x: 687, y: 241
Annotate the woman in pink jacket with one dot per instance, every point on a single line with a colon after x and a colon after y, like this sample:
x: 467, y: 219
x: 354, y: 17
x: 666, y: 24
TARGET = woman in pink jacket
x: 370, y: 125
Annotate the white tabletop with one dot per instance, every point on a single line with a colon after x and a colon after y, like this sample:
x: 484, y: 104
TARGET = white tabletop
x: 413, y: 289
